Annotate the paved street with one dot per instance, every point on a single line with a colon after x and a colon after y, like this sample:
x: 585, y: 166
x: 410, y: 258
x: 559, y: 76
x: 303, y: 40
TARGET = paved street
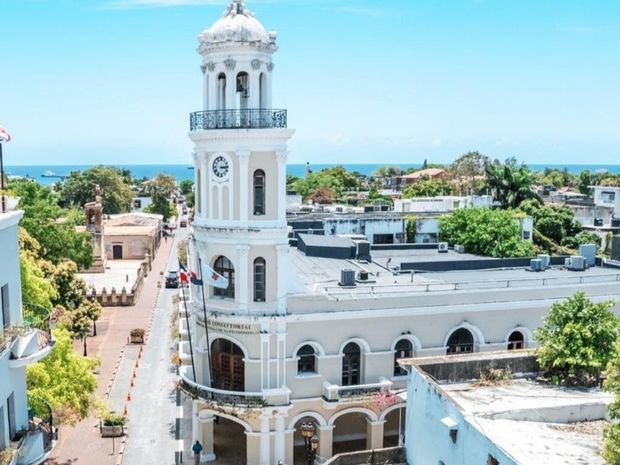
x: 82, y: 444
x: 153, y: 412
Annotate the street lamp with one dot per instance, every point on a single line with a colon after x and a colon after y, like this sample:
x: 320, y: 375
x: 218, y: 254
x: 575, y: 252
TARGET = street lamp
x: 308, y: 430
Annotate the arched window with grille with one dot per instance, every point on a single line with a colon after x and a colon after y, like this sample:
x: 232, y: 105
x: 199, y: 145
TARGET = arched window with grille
x: 403, y: 349
x: 461, y: 341
x: 306, y: 362
x: 351, y: 364
x: 225, y: 268
x: 259, y: 193
x: 516, y: 341
x: 260, y: 276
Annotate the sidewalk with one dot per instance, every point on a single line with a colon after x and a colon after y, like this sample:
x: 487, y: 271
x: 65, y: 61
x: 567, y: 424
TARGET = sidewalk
x: 82, y: 443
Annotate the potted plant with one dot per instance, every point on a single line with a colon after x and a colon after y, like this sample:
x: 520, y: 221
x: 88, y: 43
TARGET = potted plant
x: 136, y: 336
x: 113, y: 425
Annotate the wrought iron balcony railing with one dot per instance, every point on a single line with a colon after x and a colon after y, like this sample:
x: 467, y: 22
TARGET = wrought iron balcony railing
x: 219, y: 396
x: 237, y: 119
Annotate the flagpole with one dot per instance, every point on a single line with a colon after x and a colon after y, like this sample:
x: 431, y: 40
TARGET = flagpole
x: 189, y: 332
x: 204, y: 309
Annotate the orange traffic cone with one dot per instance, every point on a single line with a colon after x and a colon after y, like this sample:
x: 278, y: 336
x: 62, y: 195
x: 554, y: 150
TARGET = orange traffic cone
x: 125, y: 411
x: 128, y: 396
x: 131, y: 382
x: 134, y: 374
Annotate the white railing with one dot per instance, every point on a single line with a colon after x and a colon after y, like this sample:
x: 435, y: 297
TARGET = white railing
x: 403, y: 288
x: 335, y: 392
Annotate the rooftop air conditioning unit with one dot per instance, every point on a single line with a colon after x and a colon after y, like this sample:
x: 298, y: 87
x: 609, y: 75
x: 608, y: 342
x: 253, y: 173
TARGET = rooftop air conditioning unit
x: 577, y: 263
x: 362, y: 276
x: 615, y: 222
x: 459, y: 248
x: 442, y: 247
x: 598, y: 222
x: 536, y: 264
x: 347, y: 278
x: 545, y: 259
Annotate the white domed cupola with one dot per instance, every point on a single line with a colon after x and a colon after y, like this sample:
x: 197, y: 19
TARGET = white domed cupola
x: 237, y: 26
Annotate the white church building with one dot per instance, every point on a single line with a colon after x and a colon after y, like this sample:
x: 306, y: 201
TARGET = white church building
x: 313, y: 335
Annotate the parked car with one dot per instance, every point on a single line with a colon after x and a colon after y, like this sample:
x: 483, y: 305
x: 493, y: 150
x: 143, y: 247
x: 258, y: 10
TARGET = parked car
x: 183, y: 223
x: 172, y: 279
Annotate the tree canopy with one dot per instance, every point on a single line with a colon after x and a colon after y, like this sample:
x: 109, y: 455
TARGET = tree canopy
x: 427, y: 187
x: 510, y: 183
x: 78, y: 189
x: 64, y: 379
x: 611, y: 450
x: 470, y: 166
x: 577, y: 339
x: 484, y: 231
x: 337, y: 180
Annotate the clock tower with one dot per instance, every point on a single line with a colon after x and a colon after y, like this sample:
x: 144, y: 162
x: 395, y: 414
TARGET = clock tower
x: 240, y: 159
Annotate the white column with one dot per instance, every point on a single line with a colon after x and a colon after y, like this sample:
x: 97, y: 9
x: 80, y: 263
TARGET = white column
x: 212, y: 98
x: 255, y: 89
x: 206, y: 439
x: 265, y: 440
x: 282, y: 156
x: 326, y: 438
x: 282, y: 252
x: 374, y: 434
x: 243, y: 275
x: 205, y: 87
x: 231, y: 90
x: 244, y: 184
x: 280, y: 440
x: 205, y: 210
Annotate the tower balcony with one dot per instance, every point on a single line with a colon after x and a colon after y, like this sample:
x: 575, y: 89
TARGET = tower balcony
x: 253, y: 118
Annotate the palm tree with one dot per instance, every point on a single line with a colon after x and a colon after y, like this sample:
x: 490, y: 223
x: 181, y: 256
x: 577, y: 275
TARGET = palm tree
x: 510, y: 183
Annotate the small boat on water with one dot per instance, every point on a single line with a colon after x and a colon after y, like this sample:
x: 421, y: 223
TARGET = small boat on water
x: 48, y: 174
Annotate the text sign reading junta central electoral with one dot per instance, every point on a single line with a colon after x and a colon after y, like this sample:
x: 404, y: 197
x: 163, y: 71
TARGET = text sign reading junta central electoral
x: 232, y: 328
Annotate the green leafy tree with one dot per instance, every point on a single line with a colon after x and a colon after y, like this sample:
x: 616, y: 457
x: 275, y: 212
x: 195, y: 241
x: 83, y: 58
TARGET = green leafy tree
x: 387, y: 172
x: 161, y: 206
x: 337, y: 180
x: 50, y: 226
x: 611, y: 449
x: 470, y: 166
x: 163, y: 184
x: 92, y: 310
x: 483, y: 231
x: 577, y: 339
x: 70, y: 288
x: 79, y: 189
x: 510, y: 183
x: 38, y: 293
x: 64, y: 379
x: 186, y: 186
x: 428, y: 187
x: 78, y: 322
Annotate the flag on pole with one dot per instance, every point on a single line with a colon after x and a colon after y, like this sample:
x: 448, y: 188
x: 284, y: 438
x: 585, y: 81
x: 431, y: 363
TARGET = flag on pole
x: 194, y: 279
x: 4, y: 135
x: 212, y: 278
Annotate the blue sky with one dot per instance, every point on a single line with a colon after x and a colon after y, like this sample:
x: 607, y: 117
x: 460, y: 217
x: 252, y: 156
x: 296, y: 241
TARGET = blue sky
x: 113, y: 81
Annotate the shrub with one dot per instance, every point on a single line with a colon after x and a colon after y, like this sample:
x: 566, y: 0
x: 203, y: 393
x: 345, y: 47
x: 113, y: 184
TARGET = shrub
x: 114, y: 419
x: 137, y: 332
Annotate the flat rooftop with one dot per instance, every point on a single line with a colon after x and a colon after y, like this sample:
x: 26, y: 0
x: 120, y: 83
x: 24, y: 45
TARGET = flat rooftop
x: 537, y: 423
x: 317, y: 275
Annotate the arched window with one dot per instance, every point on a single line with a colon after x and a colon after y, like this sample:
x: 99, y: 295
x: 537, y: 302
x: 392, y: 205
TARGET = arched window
x: 228, y: 366
x: 516, y: 341
x: 403, y: 349
x: 307, y: 359
x: 461, y: 341
x: 259, y: 192
x: 351, y: 357
x: 224, y: 267
x: 259, y: 280
x: 243, y: 90
x: 221, y: 92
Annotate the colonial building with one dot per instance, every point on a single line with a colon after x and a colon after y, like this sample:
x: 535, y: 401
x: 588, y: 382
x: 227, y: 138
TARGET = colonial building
x: 27, y: 439
x: 314, y: 335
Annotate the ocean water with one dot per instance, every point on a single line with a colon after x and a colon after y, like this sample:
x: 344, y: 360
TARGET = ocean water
x: 181, y: 172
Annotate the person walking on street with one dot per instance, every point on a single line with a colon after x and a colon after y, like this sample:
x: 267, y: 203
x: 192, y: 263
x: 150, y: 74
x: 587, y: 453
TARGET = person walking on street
x: 197, y: 449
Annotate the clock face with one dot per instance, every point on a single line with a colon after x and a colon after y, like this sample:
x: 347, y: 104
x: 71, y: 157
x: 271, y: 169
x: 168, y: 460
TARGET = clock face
x: 220, y: 167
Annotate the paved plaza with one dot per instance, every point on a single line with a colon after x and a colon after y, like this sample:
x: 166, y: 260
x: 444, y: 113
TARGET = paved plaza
x: 118, y: 274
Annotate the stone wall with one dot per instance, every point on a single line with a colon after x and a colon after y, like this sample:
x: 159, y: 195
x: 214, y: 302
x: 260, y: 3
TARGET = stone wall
x: 124, y: 298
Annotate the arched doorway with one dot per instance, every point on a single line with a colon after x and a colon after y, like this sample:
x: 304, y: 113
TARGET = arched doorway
x: 300, y: 452
x: 229, y: 442
x: 402, y: 349
x: 228, y: 366
x: 351, y: 361
x: 350, y: 433
x: 461, y: 341
x: 516, y: 341
x: 394, y: 427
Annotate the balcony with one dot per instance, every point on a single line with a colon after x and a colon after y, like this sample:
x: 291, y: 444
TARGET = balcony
x: 336, y: 393
x: 27, y: 344
x: 40, y: 437
x: 237, y: 119
x: 234, y: 399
